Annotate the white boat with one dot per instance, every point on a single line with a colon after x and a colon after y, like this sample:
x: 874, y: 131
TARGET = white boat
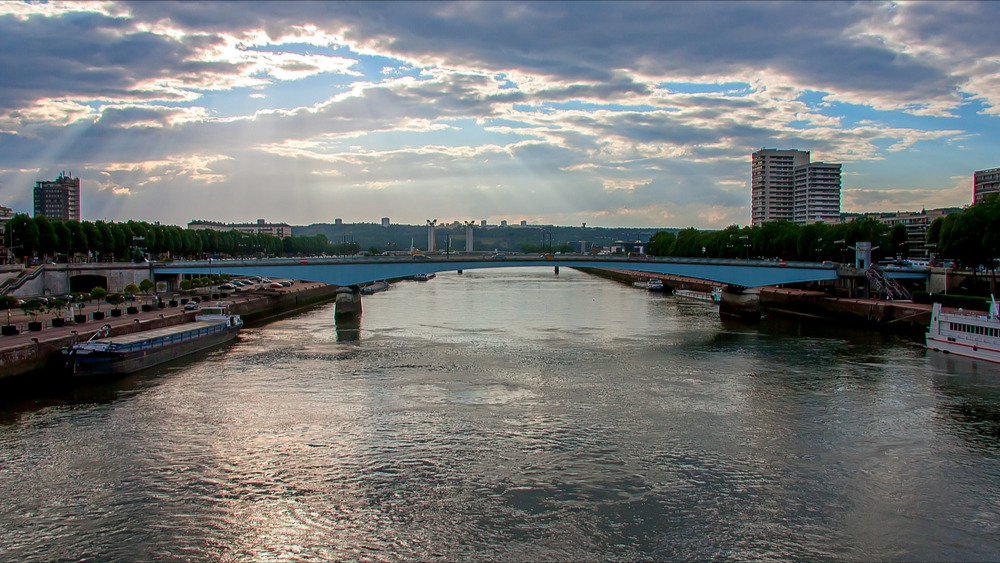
x: 654, y: 285
x: 963, y: 334
x: 714, y: 296
x: 423, y: 277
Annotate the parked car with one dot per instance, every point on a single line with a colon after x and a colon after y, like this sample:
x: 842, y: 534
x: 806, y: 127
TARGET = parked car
x: 190, y: 306
x: 276, y: 285
x: 227, y: 287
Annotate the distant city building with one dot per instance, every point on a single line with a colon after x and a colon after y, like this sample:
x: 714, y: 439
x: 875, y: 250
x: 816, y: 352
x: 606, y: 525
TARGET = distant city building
x: 482, y: 223
x: 261, y: 227
x: 784, y: 185
x: 385, y: 221
x: 916, y: 223
x: 985, y: 182
x: 6, y: 214
x: 338, y: 221
x: 58, y: 200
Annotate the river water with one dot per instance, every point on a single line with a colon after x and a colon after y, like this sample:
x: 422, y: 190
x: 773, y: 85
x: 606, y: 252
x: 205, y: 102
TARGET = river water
x: 515, y: 415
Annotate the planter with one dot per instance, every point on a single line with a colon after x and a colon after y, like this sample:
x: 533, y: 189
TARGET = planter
x: 34, y: 326
x: 8, y: 330
x: 161, y: 305
x: 79, y: 319
x: 116, y: 312
x: 147, y: 308
x: 58, y: 321
x: 98, y: 315
x: 172, y: 303
x: 184, y: 301
x: 132, y: 310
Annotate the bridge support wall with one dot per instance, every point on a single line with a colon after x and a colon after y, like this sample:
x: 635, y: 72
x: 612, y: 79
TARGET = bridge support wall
x: 740, y: 303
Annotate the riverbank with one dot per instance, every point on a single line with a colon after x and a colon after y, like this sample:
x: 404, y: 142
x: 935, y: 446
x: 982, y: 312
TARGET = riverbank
x: 31, y: 354
x: 903, y: 317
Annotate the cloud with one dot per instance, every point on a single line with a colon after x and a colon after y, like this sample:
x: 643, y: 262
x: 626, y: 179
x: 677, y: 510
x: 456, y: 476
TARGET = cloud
x: 628, y: 112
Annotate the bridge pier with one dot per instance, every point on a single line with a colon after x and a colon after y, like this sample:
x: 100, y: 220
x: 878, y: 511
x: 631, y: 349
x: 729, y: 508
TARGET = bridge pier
x: 740, y: 303
x: 348, y: 303
x: 556, y: 270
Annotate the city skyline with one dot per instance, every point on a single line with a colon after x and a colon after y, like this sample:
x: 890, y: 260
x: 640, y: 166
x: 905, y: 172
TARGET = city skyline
x: 610, y: 114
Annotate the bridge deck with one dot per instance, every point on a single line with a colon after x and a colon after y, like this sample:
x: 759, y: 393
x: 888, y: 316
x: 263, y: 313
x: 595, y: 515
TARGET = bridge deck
x: 354, y: 270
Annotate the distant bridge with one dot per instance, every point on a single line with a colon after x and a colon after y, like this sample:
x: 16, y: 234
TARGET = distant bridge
x: 357, y: 270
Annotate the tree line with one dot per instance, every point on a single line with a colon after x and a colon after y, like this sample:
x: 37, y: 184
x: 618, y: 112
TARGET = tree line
x: 972, y: 237
x: 38, y: 237
x: 783, y: 240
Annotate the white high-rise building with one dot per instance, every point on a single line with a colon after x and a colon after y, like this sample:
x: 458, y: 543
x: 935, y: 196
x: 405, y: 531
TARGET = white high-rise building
x: 785, y: 185
x: 985, y: 182
x: 817, y: 193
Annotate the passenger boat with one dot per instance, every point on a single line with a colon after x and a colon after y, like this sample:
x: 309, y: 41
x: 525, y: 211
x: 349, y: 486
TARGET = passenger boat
x: 963, y: 334
x: 714, y: 296
x: 128, y: 353
x: 654, y: 285
x: 374, y: 287
x: 423, y: 277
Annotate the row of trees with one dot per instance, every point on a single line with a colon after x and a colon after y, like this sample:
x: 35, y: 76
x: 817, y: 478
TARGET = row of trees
x: 972, y: 238
x: 784, y: 240
x: 38, y: 236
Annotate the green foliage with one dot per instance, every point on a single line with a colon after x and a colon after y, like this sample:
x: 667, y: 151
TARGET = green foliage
x: 776, y: 240
x: 145, y: 285
x: 32, y: 307
x: 130, y: 289
x: 115, y: 299
x: 56, y: 305
x: 185, y: 285
x: 969, y: 302
x: 8, y: 301
x: 971, y: 237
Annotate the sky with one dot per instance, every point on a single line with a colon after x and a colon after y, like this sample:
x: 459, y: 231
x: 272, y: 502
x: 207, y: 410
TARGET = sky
x: 613, y: 114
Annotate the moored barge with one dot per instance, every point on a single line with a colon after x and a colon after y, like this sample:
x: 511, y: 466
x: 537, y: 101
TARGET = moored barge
x: 128, y: 353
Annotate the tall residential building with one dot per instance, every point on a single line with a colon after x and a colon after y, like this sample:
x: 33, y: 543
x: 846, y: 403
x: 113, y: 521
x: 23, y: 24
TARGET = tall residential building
x: 817, y: 193
x: 985, y: 182
x: 58, y: 200
x: 785, y: 185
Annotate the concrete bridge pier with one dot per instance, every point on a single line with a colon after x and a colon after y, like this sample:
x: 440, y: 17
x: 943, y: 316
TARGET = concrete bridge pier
x: 348, y: 303
x: 740, y: 303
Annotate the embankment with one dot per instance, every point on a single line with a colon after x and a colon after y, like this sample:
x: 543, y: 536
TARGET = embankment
x: 37, y: 354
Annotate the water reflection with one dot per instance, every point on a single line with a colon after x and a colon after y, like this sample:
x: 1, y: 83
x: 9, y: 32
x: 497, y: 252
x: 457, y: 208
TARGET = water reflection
x: 513, y: 416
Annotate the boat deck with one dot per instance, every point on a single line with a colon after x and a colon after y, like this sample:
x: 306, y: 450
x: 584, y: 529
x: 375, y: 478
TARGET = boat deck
x: 125, y: 339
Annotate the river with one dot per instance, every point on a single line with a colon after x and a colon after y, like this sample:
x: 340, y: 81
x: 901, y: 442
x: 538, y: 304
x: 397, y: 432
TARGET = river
x: 515, y: 415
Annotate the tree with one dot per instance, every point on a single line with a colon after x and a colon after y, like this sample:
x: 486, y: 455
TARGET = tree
x: 145, y: 286
x: 56, y: 305
x: 32, y: 307
x: 130, y: 289
x: 115, y: 299
x: 661, y: 243
x: 98, y: 293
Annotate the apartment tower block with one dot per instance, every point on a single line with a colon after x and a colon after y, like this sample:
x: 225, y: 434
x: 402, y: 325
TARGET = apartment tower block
x: 785, y: 185
x: 58, y: 200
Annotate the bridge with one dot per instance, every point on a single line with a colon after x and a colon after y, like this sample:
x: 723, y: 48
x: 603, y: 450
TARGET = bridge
x: 357, y: 270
